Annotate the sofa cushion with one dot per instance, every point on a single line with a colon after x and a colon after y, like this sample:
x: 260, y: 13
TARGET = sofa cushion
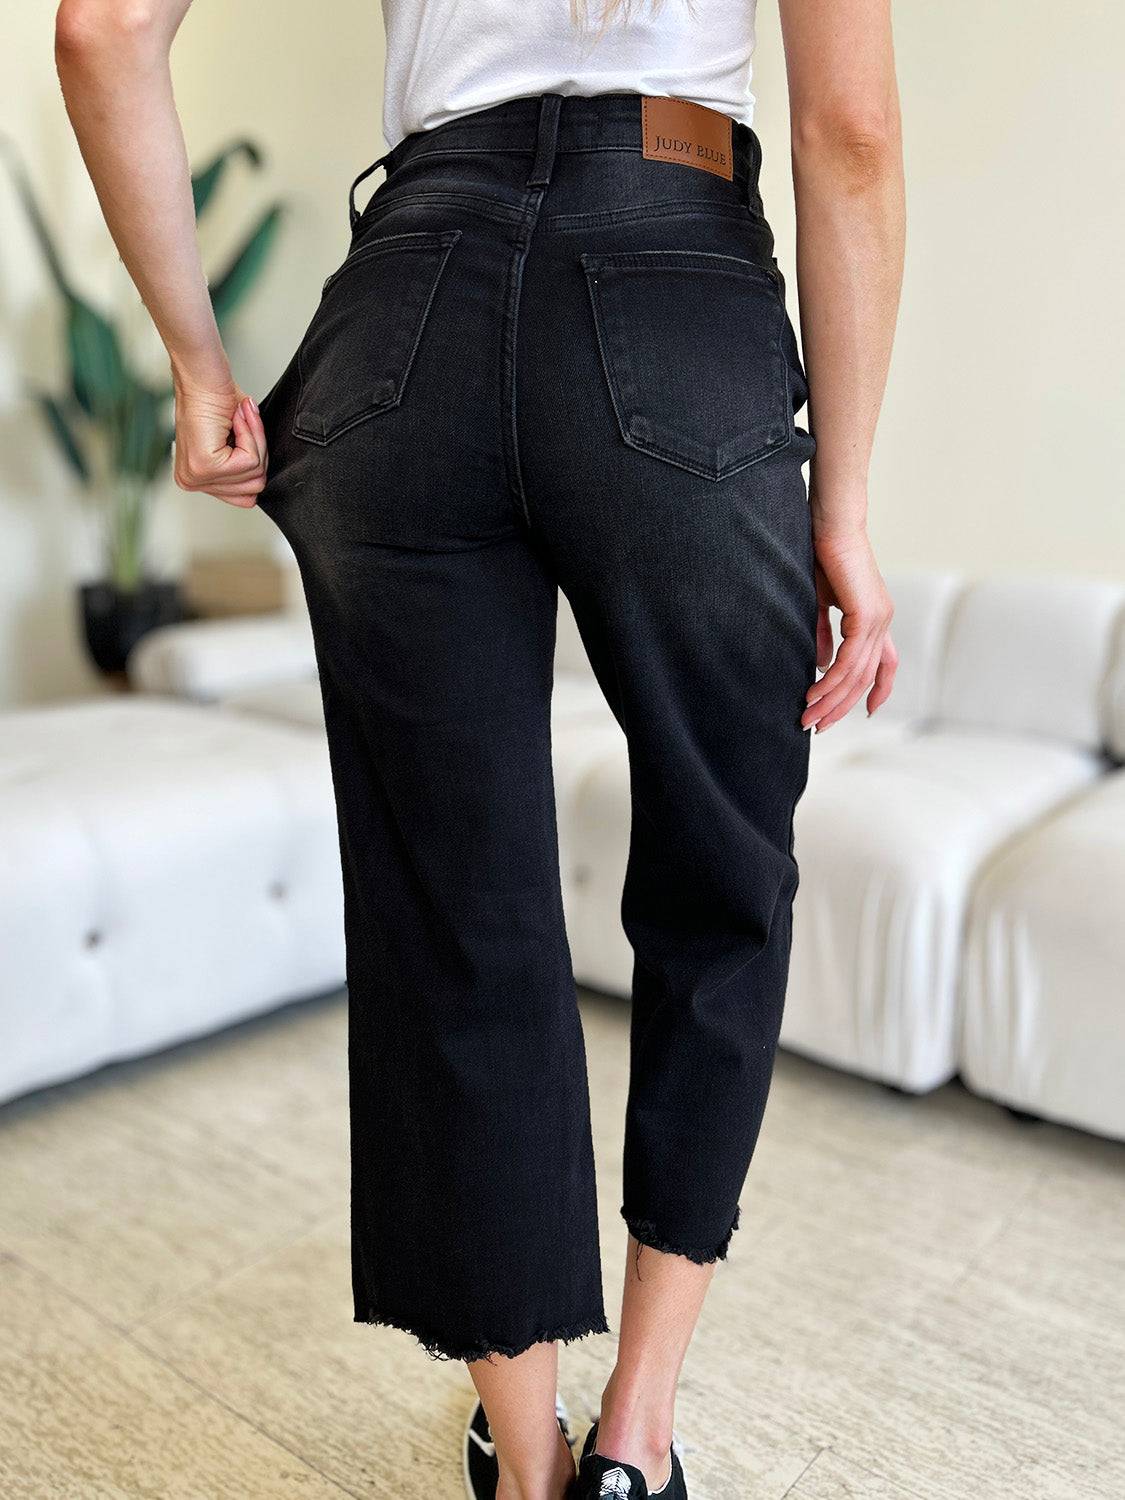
x: 291, y: 702
x: 1043, y: 986
x: 1030, y: 656
x: 211, y: 659
x: 168, y: 869
x: 856, y: 734
x: 580, y: 748
x: 889, y: 842
x: 597, y: 848
x: 578, y: 699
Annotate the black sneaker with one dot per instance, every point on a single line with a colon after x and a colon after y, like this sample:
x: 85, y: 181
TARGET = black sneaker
x: 482, y: 1472
x: 601, y: 1478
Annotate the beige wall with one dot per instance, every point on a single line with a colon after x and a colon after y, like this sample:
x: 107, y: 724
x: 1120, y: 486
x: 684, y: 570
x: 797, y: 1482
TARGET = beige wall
x: 1001, y: 445
x: 310, y: 94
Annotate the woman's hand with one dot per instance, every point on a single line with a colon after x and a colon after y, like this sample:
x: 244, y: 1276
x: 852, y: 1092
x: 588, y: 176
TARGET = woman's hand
x: 848, y: 577
x: 220, y: 444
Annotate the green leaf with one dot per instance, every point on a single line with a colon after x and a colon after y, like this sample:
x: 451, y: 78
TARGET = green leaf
x: 65, y: 436
x: 98, y: 373
x: 139, y: 433
x: 101, y: 381
x: 35, y: 216
x: 205, y: 182
x: 246, y: 264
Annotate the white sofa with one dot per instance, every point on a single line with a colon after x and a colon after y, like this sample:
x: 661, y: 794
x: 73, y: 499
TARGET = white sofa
x: 1042, y: 1022
x: 932, y: 935
x: 893, y: 837
x: 166, y: 870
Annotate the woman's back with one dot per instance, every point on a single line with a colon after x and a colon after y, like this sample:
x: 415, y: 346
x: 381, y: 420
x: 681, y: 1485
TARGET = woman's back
x: 447, y: 58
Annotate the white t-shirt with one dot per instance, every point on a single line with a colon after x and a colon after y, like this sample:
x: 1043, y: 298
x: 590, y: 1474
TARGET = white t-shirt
x: 452, y: 57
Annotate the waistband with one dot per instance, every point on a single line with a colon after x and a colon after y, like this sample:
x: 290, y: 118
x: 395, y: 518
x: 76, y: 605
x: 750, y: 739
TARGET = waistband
x: 541, y: 126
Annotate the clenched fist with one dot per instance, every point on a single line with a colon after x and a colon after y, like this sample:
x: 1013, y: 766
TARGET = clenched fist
x: 220, y: 445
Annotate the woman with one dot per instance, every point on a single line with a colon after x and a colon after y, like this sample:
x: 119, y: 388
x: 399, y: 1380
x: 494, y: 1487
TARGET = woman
x: 557, y: 354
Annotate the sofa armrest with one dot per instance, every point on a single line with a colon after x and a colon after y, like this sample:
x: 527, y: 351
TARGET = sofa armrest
x: 210, y: 659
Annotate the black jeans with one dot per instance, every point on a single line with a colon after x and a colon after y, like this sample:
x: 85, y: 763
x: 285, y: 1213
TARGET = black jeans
x: 550, y: 361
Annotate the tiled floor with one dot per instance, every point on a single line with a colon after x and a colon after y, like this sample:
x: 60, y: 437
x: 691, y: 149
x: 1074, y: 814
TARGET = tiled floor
x: 926, y: 1298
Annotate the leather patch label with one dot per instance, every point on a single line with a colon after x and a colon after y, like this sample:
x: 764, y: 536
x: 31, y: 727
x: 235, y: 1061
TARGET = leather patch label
x: 677, y: 130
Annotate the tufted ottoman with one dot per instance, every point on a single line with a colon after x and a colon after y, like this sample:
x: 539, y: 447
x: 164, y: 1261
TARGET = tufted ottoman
x: 164, y: 869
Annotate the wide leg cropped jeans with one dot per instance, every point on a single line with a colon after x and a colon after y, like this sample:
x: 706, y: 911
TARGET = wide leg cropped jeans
x: 549, y: 361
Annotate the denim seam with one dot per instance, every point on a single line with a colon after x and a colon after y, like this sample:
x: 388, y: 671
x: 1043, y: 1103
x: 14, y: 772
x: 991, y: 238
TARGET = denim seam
x: 715, y: 264
x: 489, y: 208
x: 447, y: 238
x: 673, y: 210
x: 716, y: 474
x: 483, y: 148
x: 508, y: 419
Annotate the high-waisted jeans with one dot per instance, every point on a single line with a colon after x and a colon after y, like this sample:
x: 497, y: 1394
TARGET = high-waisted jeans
x: 550, y: 362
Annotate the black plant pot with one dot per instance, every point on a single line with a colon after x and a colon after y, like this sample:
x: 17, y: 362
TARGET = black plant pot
x: 115, y: 619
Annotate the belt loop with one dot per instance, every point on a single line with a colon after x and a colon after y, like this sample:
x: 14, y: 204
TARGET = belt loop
x: 546, y: 137
x: 353, y: 213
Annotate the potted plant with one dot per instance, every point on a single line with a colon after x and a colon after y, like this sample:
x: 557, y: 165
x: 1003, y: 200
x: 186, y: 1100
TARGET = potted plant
x: 113, y: 423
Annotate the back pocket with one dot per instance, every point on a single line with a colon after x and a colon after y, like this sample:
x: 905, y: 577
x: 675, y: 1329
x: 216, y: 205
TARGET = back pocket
x: 692, y: 347
x: 355, y: 358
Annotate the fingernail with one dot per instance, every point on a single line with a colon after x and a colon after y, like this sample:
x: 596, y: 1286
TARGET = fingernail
x: 811, y: 728
x: 253, y: 404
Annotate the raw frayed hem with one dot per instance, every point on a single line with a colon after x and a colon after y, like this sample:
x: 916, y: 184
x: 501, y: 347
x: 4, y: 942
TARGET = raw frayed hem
x: 646, y: 1233
x: 438, y: 1348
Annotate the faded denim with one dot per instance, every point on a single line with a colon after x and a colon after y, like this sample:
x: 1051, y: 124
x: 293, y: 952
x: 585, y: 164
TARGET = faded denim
x: 548, y: 361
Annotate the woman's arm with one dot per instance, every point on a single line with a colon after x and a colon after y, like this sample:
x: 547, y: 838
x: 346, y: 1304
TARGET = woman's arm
x: 113, y: 64
x: 848, y: 179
